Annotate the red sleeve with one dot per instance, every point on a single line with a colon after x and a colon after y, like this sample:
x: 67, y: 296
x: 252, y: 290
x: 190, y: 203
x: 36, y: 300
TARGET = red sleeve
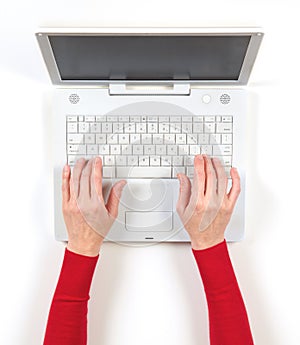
x: 67, y: 321
x: 228, y: 321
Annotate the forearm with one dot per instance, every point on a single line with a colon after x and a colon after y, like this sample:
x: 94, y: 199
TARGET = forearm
x: 67, y: 321
x: 228, y: 319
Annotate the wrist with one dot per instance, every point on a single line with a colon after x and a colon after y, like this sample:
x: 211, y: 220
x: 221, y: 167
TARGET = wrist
x: 201, y: 244
x: 86, y: 250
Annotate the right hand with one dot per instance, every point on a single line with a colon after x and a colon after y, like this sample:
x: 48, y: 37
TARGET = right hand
x: 205, y: 208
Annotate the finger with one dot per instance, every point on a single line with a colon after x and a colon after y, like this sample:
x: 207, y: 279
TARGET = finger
x: 85, y: 184
x: 77, y: 170
x: 184, y: 193
x: 221, y: 176
x: 66, y: 184
x: 236, y: 186
x: 198, y: 181
x: 211, y: 178
x: 96, y: 180
x: 114, y: 198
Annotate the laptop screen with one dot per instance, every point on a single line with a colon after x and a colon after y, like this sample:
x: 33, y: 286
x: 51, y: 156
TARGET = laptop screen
x: 149, y: 57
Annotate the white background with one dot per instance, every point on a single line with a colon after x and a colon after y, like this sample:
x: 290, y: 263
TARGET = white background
x: 150, y: 295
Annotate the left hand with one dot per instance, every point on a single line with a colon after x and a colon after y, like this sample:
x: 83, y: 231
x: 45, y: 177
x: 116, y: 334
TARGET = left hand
x: 88, y: 219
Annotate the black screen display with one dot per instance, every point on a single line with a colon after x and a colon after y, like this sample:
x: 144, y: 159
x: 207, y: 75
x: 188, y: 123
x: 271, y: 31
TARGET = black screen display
x: 149, y: 57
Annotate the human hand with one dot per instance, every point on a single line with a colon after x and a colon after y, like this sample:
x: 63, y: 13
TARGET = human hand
x: 88, y: 219
x: 205, y: 208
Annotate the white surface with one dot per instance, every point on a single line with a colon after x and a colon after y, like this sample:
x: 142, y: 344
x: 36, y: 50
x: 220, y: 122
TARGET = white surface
x: 150, y: 295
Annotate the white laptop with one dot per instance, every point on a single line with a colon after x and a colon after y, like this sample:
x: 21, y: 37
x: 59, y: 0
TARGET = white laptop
x: 147, y: 100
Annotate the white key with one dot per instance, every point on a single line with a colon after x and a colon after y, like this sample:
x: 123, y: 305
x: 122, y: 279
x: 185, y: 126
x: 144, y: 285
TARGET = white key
x: 75, y: 138
x: 118, y: 127
x: 100, y: 118
x: 83, y: 127
x: 197, y: 127
x: 89, y: 118
x: 100, y: 138
x: 146, y: 139
x: 215, y: 138
x: 187, y: 119
x: 152, y: 127
x: 112, y: 138
x: 149, y: 149
x: 172, y: 150
x: 209, y: 119
x: 129, y: 127
x: 111, y: 118
x: 194, y: 150
x: 188, y: 160
x: 108, y: 172
x: 72, y: 159
x: 107, y: 127
x: 163, y: 118
x: 169, y: 139
x: 158, y: 139
x: 187, y: 127
x: 192, y: 139
x: 141, y: 127
x: 175, y: 118
x: 76, y: 149
x: 222, y: 150
x: 175, y: 127
x: 218, y: 118
x: 225, y: 160
x: 72, y: 127
x: 144, y: 172
x: 177, y: 170
x: 126, y: 149
x: 137, y: 149
x: 161, y: 150
x: 155, y: 161
x: 124, y: 138
x: 95, y: 127
x: 226, y: 138
x: 190, y: 172
x: 180, y: 139
x: 207, y: 149
x: 166, y: 160
x: 152, y: 118
x: 72, y: 118
x: 89, y: 138
x: 103, y: 149
x: 227, y: 118
x: 135, y: 138
x: 121, y: 160
x: 209, y: 127
x: 203, y: 139
x: 135, y: 118
x: 224, y: 127
x: 144, y: 161
x: 109, y: 160
x: 197, y: 118
x: 178, y: 160
x: 115, y: 149
x: 81, y: 118
x: 132, y: 160
x: 92, y: 149
x: 164, y: 128
x: 123, y: 118
x: 183, y: 150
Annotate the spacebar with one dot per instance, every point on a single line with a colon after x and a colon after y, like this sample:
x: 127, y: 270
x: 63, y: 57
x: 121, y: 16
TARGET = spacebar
x: 143, y: 172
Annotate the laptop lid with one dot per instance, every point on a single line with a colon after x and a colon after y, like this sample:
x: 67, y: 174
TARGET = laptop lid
x: 194, y: 56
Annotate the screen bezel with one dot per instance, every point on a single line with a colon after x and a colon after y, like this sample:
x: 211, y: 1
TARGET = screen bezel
x: 255, y: 40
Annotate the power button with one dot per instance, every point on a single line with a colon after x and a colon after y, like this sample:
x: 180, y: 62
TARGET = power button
x: 206, y: 99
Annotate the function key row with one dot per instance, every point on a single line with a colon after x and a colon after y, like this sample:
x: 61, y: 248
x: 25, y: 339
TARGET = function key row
x: 148, y: 118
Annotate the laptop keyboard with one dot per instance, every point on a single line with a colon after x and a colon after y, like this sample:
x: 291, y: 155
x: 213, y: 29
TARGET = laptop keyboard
x: 149, y: 146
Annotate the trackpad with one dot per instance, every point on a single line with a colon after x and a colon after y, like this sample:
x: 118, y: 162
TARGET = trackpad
x: 149, y: 221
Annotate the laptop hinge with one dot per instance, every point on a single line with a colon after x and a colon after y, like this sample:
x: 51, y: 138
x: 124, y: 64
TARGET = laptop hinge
x: 148, y: 89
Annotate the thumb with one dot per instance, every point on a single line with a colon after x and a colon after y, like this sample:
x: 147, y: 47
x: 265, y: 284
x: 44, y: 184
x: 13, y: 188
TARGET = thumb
x: 112, y: 204
x: 184, y: 193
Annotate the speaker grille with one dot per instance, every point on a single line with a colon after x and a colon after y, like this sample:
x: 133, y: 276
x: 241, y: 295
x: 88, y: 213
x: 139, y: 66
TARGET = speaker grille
x: 225, y: 98
x: 74, y: 98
